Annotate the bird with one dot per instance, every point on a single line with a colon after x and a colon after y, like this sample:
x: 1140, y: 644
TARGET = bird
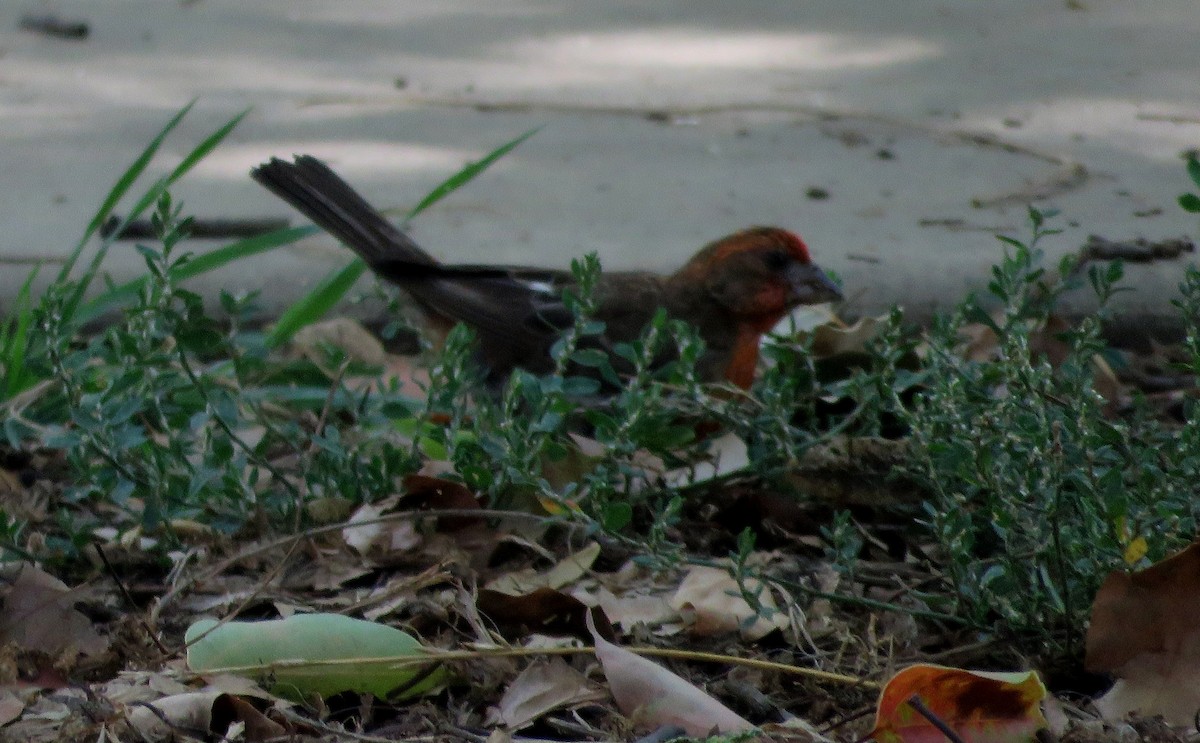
x: 733, y: 290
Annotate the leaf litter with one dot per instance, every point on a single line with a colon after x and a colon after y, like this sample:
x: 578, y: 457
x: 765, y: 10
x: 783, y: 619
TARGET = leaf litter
x: 500, y: 618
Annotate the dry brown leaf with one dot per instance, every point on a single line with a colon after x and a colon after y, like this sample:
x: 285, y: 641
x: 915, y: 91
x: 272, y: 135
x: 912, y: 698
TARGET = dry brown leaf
x: 39, y: 614
x: 1144, y: 631
x: 342, y: 333
x: 809, y: 317
x: 542, y: 687
x: 11, y: 706
x: 627, y: 611
x: 258, y: 726
x: 651, y: 696
x: 377, y: 539
x: 546, y: 611
x: 437, y: 493
x: 981, y: 707
x: 832, y: 339
x: 980, y: 343
x: 570, y: 569
x: 711, y: 603
x: 190, y: 711
x: 723, y: 454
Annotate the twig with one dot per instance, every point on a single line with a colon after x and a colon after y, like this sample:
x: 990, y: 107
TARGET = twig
x: 271, y: 574
x: 228, y: 429
x: 141, y: 619
x: 199, y: 229
x: 275, y: 544
x: 1139, y: 250
x: 334, y: 384
x: 444, y: 656
x: 51, y: 25
x: 915, y: 702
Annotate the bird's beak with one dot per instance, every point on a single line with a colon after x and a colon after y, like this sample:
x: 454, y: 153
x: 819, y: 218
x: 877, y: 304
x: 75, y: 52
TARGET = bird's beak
x: 810, y: 285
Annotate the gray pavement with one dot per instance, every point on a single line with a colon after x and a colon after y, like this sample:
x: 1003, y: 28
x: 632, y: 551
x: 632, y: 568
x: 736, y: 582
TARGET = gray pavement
x: 927, y: 124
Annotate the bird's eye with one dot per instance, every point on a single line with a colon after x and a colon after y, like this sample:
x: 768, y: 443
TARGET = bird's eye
x: 777, y: 260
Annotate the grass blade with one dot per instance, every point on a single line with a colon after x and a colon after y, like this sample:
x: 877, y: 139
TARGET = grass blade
x: 198, y: 153
x: 316, y: 303
x: 119, y: 189
x: 196, y: 266
x: 14, y: 340
x: 189, y: 161
x: 462, y: 177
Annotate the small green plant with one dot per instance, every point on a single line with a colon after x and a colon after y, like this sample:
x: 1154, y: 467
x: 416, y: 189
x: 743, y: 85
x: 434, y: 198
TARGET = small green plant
x: 1037, y: 491
x: 521, y: 444
x: 1190, y: 201
x: 167, y: 414
x: 15, y: 375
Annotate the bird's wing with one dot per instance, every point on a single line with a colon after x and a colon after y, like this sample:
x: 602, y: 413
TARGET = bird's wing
x: 517, y: 313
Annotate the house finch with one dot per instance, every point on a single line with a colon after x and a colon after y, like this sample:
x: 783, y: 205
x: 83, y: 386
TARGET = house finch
x: 732, y: 291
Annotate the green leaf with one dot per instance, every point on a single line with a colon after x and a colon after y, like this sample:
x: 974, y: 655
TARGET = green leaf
x: 198, y: 153
x: 1193, y: 167
x: 1190, y: 202
x: 197, y: 265
x: 590, y: 357
x: 976, y: 314
x: 122, y: 186
x: 316, y: 303
x: 15, y: 346
x: 462, y: 177
x: 580, y: 386
x: 264, y: 649
x: 617, y: 515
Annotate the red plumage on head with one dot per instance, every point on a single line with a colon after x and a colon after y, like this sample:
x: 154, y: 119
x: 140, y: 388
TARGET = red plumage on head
x: 799, y: 249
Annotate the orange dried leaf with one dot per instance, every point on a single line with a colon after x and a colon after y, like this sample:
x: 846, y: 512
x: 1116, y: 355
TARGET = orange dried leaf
x: 980, y: 707
x: 1143, y: 630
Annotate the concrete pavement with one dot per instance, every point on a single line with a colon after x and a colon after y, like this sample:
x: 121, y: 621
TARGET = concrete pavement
x: 895, y: 137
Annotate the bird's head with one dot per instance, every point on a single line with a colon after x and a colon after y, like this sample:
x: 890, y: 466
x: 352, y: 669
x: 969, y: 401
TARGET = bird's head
x: 760, y: 274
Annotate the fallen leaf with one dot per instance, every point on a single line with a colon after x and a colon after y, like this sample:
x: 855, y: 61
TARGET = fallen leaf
x: 627, y: 611
x: 545, y: 611
x: 342, y: 333
x: 436, y: 493
x: 981, y: 707
x: 258, y: 726
x: 833, y: 338
x: 11, y: 706
x: 711, y: 603
x: 809, y: 317
x: 651, y: 696
x: 1143, y: 630
x: 542, y: 687
x: 570, y: 569
x: 193, y: 712
x: 370, y: 536
x: 723, y: 454
x: 324, y: 639
x: 980, y: 343
x: 39, y: 614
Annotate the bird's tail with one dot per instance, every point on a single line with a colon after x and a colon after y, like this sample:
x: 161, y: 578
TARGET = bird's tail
x: 321, y: 195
